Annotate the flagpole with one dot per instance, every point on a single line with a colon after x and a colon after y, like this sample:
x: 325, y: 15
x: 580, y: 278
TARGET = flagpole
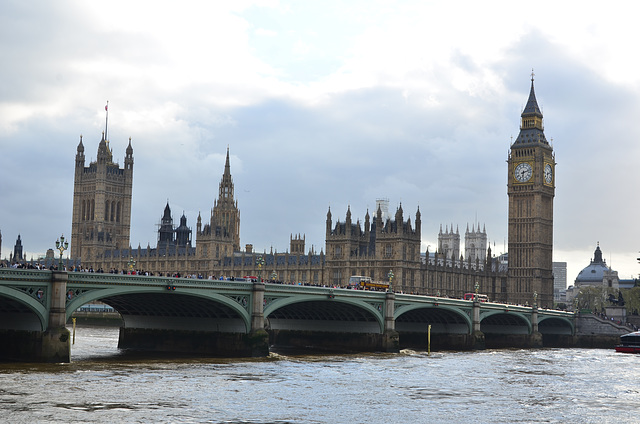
x: 106, y: 121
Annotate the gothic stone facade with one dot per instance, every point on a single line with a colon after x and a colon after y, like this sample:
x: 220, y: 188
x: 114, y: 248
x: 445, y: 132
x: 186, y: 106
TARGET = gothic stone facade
x: 383, y: 245
x: 102, y: 211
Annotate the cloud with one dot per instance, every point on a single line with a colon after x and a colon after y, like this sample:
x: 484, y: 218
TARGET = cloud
x: 411, y: 101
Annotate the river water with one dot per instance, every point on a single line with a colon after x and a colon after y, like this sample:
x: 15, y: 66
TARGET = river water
x: 103, y: 385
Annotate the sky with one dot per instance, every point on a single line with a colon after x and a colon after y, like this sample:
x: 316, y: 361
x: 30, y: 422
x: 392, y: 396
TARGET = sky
x: 323, y: 104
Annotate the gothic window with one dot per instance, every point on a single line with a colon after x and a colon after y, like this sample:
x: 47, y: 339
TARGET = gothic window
x: 106, y: 210
x: 388, y: 250
x: 337, y: 277
x: 118, y: 213
x: 338, y: 250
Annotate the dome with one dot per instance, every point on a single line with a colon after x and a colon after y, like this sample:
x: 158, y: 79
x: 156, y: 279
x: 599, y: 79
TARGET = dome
x: 594, y: 273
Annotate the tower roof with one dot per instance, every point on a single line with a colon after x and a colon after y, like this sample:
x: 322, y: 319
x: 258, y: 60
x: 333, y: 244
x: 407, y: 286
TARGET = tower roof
x: 531, y: 124
x: 594, y: 272
x: 167, y: 211
x: 532, y: 107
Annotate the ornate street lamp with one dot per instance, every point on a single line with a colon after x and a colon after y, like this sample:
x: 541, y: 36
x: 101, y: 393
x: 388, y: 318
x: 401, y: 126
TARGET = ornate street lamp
x: 274, y: 276
x: 390, y: 276
x: 61, y: 245
x: 131, y: 264
x: 259, y: 262
x: 477, y: 287
x: 535, y: 299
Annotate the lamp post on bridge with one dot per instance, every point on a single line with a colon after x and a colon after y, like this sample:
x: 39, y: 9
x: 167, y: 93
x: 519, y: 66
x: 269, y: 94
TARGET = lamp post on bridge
x: 477, y: 287
x: 273, y: 276
x: 61, y: 245
x: 390, y: 276
x: 131, y: 264
x: 259, y: 262
x: 535, y: 299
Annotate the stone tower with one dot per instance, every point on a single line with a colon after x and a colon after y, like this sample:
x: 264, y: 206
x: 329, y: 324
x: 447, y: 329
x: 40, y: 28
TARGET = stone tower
x: 531, y: 188
x: 296, y: 244
x: 101, y: 203
x: 183, y: 232
x: 221, y: 237
x: 165, y: 231
x: 17, y: 251
x: 475, y: 243
x: 449, y: 243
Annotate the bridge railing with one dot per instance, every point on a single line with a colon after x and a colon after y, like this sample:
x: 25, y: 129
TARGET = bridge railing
x: 123, y: 279
x: 20, y: 274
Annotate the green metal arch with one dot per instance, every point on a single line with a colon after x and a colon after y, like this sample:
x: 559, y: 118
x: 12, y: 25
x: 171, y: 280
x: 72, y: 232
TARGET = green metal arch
x: 282, y: 302
x: 38, y: 309
x: 97, y: 294
x: 523, y: 317
x: 458, y: 311
x: 568, y: 321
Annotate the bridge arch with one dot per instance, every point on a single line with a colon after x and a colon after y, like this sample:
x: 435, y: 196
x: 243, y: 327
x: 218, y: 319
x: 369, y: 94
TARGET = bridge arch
x: 20, y: 311
x: 309, y: 313
x: 555, y: 325
x: 504, y: 322
x: 154, y: 307
x: 442, y: 318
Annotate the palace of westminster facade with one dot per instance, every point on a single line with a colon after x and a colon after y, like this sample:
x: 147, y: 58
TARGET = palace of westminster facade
x: 102, y: 216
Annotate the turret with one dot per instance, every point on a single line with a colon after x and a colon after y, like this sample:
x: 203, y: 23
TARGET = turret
x: 80, y: 156
x: 128, y: 159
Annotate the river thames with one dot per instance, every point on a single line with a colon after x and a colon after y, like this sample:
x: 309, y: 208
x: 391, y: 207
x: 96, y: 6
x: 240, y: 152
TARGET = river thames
x: 103, y: 385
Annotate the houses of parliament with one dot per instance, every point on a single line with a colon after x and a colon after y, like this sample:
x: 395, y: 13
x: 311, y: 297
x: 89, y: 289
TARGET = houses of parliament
x: 384, y: 245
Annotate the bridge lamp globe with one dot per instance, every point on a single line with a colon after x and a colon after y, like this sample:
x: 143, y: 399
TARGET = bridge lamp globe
x: 259, y: 262
x: 61, y: 245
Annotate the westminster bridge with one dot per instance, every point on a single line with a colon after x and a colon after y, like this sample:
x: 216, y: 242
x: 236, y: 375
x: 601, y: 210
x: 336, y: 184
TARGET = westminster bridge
x: 243, y: 318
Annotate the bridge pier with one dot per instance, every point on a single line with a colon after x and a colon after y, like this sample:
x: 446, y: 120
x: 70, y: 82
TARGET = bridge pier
x: 258, y: 339
x: 56, y: 340
x: 477, y: 336
x: 535, y: 339
x: 391, y: 338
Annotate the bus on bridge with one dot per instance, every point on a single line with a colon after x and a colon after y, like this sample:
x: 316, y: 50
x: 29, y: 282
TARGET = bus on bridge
x: 365, y: 283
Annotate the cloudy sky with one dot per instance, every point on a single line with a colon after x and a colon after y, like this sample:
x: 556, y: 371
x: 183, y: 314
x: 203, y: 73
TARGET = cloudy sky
x: 322, y: 104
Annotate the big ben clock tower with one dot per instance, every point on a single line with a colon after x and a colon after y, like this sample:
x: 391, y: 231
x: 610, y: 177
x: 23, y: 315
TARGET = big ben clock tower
x: 531, y: 188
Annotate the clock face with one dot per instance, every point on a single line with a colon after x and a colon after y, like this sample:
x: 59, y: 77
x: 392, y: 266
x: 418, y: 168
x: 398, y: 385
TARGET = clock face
x: 548, y: 174
x: 523, y: 172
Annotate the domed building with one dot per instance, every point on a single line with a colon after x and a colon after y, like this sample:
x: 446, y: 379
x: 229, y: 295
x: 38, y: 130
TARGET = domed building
x: 597, y: 273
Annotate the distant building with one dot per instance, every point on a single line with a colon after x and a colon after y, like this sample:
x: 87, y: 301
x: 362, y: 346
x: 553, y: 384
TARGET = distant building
x: 597, y: 273
x: 475, y: 244
x: 17, y: 252
x: 559, y: 281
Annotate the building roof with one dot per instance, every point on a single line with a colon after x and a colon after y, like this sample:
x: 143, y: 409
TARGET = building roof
x: 594, y: 272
